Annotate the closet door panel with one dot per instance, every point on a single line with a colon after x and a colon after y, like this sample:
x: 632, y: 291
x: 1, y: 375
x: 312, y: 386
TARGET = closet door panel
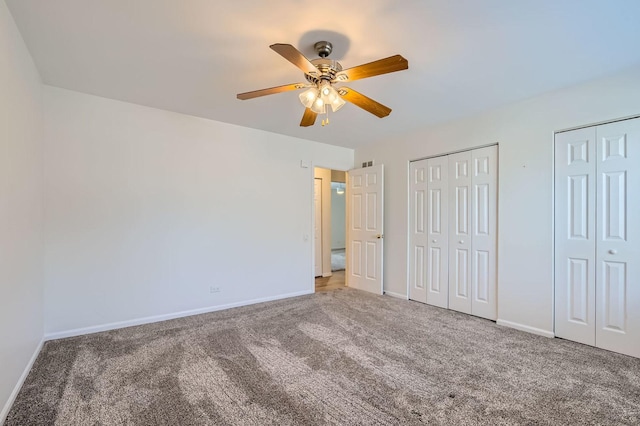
x: 618, y: 237
x: 575, y: 209
x: 484, y: 177
x: 460, y: 232
x: 437, y: 232
x: 418, y: 229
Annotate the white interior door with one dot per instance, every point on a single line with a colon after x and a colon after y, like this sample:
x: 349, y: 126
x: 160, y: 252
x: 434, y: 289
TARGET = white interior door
x: 418, y: 231
x: 438, y: 232
x: 365, y: 225
x: 460, y: 232
x: 618, y: 237
x: 317, y: 234
x: 484, y: 224
x: 575, y: 209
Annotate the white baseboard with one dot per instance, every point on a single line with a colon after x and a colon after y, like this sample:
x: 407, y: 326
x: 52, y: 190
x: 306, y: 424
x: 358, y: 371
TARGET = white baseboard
x: 16, y: 389
x: 396, y: 295
x: 326, y: 274
x: 528, y: 329
x: 165, y: 317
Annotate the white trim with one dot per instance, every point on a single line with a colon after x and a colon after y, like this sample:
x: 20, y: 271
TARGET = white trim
x: 455, y: 152
x: 599, y: 123
x: 528, y: 329
x: 5, y: 410
x: 396, y: 295
x: 165, y: 317
x: 327, y: 274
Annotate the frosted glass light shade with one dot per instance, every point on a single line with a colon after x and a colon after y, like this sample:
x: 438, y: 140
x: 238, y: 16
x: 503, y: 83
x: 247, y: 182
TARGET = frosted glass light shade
x: 308, y: 97
x: 318, y: 106
x: 317, y: 99
x: 337, y: 103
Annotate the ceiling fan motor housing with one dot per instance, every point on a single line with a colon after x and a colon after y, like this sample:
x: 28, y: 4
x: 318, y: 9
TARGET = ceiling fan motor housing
x: 328, y: 69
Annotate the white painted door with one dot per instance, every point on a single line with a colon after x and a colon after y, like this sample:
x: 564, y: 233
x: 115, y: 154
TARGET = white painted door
x: 597, y: 238
x: 437, y: 232
x: 618, y: 237
x: 317, y: 232
x: 453, y: 231
x: 365, y: 228
x: 484, y: 179
x: 418, y: 231
x: 575, y: 206
x: 460, y: 232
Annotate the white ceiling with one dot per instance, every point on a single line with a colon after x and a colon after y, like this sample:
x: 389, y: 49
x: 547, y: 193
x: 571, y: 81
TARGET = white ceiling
x: 194, y: 56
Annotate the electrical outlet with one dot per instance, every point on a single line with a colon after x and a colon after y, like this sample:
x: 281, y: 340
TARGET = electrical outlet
x: 213, y: 289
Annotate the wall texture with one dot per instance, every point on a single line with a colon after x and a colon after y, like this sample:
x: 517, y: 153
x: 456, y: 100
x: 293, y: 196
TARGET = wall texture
x: 524, y: 132
x: 21, y: 244
x: 147, y: 210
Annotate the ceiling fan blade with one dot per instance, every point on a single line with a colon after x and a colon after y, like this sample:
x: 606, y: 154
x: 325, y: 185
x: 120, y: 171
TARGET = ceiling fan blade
x: 294, y: 56
x: 364, y: 102
x: 270, y: 91
x: 309, y: 118
x: 381, y: 66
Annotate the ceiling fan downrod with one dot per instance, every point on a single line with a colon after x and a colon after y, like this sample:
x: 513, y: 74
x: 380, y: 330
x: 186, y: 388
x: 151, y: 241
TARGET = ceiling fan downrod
x: 323, y: 48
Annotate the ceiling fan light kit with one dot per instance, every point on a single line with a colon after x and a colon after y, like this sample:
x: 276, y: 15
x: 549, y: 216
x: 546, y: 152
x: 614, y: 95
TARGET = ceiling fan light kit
x: 321, y: 75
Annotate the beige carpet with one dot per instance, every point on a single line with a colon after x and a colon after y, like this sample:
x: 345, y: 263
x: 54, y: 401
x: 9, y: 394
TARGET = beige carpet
x: 340, y: 357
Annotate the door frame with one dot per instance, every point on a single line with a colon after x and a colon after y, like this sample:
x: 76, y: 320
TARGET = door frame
x: 313, y: 218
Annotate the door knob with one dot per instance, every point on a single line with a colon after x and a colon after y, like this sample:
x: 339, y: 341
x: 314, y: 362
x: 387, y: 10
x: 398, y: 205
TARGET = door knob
x: 379, y: 236
x: 612, y: 251
x: 434, y: 241
x: 461, y: 242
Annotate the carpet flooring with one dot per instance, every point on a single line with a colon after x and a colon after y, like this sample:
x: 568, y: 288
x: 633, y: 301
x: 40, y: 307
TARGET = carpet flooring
x: 339, y: 357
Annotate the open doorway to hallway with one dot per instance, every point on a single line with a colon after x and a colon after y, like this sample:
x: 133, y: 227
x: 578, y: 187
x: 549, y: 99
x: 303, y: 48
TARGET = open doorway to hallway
x: 330, y: 230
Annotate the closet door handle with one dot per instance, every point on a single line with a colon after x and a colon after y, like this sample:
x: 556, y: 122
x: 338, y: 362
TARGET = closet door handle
x: 612, y: 251
x: 461, y: 242
x: 434, y: 241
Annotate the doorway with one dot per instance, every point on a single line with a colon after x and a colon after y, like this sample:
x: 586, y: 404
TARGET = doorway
x: 329, y: 228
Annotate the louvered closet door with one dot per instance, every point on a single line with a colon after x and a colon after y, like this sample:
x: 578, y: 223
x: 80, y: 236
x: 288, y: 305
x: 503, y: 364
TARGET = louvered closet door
x: 575, y: 201
x: 618, y: 237
x: 418, y: 231
x: 460, y: 232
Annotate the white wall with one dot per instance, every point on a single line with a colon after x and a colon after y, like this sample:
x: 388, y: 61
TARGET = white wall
x: 338, y: 219
x: 147, y: 209
x: 525, y: 134
x: 21, y: 245
x: 325, y: 176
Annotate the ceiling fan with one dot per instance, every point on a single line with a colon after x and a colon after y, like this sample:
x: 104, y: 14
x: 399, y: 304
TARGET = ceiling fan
x: 322, y: 74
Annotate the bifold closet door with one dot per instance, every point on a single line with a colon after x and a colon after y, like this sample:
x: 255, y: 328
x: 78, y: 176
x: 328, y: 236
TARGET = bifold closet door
x: 418, y: 231
x: 484, y: 228
x: 618, y: 237
x: 437, y: 232
x: 428, y: 276
x: 473, y: 193
x: 460, y: 232
x: 452, y: 231
x: 575, y: 204
x: 597, y: 238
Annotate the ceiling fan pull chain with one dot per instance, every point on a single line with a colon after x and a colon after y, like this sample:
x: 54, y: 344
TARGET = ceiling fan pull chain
x: 326, y: 120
